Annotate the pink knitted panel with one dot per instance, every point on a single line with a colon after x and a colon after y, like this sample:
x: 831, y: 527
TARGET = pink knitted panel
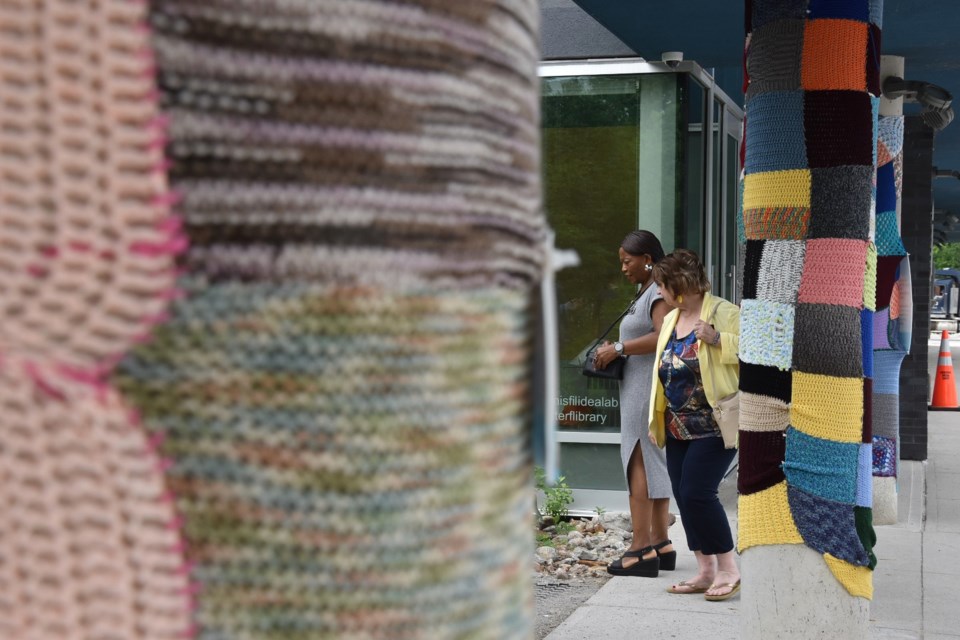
x: 89, y: 538
x: 833, y: 272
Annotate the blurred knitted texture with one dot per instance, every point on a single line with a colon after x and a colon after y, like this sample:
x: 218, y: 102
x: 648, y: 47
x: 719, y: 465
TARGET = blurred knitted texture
x: 90, y: 543
x: 342, y: 392
x: 812, y: 96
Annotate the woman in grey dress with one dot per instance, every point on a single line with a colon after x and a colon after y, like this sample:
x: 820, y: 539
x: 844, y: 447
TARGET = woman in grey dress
x: 643, y: 463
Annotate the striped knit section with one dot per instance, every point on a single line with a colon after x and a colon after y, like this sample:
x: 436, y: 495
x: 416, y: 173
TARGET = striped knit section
x: 342, y: 390
x: 813, y: 75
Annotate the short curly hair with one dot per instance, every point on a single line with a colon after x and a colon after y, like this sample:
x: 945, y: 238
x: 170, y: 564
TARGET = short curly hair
x: 681, y: 272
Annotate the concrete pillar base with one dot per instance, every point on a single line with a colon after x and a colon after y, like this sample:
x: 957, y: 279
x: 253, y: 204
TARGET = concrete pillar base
x: 789, y: 593
x: 884, y: 501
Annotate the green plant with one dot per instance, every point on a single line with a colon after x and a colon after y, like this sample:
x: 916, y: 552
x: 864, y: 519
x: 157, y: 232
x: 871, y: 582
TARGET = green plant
x: 564, y: 527
x: 557, y: 497
x: 544, y: 539
x: 599, y: 510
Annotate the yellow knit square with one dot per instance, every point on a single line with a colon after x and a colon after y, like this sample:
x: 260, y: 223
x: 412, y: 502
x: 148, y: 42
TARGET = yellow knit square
x: 858, y: 581
x: 764, y: 518
x: 827, y: 407
x: 776, y: 189
x: 870, y: 279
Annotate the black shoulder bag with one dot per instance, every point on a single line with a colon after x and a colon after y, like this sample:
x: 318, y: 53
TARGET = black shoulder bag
x: 614, y: 370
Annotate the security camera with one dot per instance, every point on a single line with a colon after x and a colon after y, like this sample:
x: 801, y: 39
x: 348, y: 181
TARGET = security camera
x: 672, y: 58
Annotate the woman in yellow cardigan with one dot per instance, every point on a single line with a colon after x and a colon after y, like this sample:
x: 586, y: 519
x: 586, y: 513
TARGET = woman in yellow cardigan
x: 698, y: 365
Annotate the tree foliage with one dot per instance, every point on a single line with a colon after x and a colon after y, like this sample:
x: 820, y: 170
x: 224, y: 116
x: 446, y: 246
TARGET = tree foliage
x: 947, y: 256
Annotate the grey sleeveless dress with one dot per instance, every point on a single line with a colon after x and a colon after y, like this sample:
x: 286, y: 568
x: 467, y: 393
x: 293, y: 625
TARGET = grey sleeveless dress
x: 635, y: 399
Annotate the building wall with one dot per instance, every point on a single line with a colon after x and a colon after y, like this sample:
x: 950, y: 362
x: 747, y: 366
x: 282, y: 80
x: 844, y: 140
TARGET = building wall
x: 917, y: 233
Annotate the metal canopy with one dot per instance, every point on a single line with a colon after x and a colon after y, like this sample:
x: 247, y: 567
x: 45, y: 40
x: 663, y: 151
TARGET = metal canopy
x: 712, y: 33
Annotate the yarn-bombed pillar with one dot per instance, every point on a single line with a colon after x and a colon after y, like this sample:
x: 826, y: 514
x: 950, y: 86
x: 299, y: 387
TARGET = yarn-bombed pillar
x: 805, y: 529
x: 342, y: 391
x: 893, y: 309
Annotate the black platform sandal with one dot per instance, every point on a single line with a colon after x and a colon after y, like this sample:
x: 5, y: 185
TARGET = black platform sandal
x: 649, y: 568
x: 668, y: 560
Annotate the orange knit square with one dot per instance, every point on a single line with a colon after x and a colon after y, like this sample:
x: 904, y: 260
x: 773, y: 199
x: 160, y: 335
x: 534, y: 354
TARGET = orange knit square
x: 834, y: 55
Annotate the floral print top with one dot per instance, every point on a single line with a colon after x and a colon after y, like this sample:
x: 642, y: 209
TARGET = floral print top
x: 689, y: 415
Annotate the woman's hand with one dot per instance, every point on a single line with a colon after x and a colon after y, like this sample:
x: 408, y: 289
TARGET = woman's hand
x: 653, y: 438
x: 604, y: 355
x: 706, y: 332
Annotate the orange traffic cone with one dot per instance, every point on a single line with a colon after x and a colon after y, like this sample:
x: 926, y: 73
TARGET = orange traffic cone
x: 944, y: 386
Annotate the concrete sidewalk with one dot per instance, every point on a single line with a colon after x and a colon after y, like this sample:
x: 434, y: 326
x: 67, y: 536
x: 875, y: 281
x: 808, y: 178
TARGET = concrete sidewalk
x: 915, y: 583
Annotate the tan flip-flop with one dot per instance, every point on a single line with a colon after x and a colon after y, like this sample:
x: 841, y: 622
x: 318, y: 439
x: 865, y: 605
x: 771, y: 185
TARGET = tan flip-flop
x: 733, y: 586
x: 692, y: 588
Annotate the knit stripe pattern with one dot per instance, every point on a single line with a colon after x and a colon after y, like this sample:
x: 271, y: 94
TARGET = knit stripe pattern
x: 90, y: 539
x: 891, y: 336
x: 809, y: 274
x: 342, y: 392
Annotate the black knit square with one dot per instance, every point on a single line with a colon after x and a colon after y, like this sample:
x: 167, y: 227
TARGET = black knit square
x: 827, y: 340
x: 766, y: 11
x: 873, y: 61
x: 766, y: 381
x: 888, y: 271
x: 751, y: 268
x: 839, y: 128
x: 761, y: 454
x: 840, y: 202
x: 773, y: 61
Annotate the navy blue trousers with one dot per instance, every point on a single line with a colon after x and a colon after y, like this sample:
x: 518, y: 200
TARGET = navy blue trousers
x: 696, y: 468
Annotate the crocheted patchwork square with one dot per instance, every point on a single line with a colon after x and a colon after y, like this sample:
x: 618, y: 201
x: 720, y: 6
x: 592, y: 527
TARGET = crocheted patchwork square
x: 766, y: 381
x: 866, y: 340
x: 763, y: 413
x: 774, y: 56
x: 875, y: 120
x: 765, y: 518
x: 880, y: 321
x: 884, y: 457
x: 773, y: 189
x: 858, y: 581
x: 833, y: 272
x: 889, y: 242
x: 761, y: 453
x: 780, y: 269
x: 785, y: 223
x: 886, y: 189
x: 867, y: 410
x: 841, y: 200
x: 886, y: 371
x: 770, y: 327
x: 874, y: 39
x: 774, y: 127
x: 870, y: 279
x: 886, y: 415
x: 827, y: 340
x: 890, y: 133
x: 827, y: 407
x: 820, y: 467
x: 766, y: 11
x: 865, y: 476
x: 857, y: 10
x: 753, y: 253
x: 839, y: 128
x: 826, y: 525
x: 887, y: 275
x: 834, y: 55
x: 876, y: 13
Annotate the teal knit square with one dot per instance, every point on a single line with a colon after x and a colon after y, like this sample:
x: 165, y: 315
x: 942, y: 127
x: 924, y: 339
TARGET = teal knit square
x: 821, y: 467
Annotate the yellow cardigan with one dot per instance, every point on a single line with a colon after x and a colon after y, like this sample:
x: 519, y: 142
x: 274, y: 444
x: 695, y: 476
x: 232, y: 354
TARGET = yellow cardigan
x: 719, y: 365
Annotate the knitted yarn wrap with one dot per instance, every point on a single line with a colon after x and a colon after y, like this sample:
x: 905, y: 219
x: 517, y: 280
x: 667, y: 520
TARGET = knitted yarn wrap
x: 810, y: 271
x: 90, y: 541
x: 342, y: 391
x: 311, y: 423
